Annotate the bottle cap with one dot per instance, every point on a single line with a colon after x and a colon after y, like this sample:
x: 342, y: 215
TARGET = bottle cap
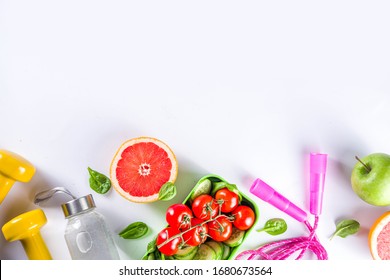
x: 78, y: 205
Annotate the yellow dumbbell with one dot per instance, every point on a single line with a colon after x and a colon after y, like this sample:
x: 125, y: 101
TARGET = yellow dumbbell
x: 26, y: 228
x: 13, y: 168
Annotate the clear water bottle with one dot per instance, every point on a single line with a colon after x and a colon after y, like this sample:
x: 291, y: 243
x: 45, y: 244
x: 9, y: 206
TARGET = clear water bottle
x: 86, y: 234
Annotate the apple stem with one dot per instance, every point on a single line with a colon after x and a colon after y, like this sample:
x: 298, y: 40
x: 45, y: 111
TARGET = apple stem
x: 365, y: 165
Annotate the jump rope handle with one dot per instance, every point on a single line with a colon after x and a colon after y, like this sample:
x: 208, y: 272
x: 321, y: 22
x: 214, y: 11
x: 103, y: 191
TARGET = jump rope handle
x: 262, y: 190
x: 317, y: 179
x: 283, y: 249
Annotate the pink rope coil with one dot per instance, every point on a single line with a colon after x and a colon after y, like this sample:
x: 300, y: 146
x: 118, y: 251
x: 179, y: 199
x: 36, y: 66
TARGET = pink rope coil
x: 283, y: 249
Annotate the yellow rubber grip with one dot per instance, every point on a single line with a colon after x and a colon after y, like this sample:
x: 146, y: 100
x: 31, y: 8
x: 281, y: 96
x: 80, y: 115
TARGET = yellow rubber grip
x: 13, y: 168
x: 26, y: 228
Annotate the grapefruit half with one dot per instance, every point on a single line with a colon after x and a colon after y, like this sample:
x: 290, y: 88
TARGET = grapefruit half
x: 379, y: 238
x: 140, y: 167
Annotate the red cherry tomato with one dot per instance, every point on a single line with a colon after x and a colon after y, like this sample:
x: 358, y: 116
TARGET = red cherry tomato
x: 244, y: 217
x: 228, y: 200
x: 172, y: 246
x: 179, y: 216
x: 205, y: 207
x: 220, y: 229
x: 197, y: 234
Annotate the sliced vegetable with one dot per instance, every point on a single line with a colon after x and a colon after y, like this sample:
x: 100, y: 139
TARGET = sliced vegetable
x: 186, y: 253
x: 205, y: 252
x: 236, y: 238
x: 217, y: 247
x: 203, y: 187
x: 226, y: 251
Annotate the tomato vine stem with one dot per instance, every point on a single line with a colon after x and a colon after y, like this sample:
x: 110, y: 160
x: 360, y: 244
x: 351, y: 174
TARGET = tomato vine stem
x: 192, y: 227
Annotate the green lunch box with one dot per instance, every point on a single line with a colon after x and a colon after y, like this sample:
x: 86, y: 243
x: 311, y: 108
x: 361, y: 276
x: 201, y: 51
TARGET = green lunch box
x: 153, y: 253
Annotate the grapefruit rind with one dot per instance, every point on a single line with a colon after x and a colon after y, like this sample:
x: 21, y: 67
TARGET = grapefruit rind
x: 375, y: 230
x: 117, y: 158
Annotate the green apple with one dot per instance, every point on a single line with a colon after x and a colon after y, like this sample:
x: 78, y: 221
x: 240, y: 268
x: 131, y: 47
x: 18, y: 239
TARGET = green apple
x: 370, y: 179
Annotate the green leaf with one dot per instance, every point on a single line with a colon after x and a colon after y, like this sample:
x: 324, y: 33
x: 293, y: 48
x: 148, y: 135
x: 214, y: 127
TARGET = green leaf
x: 151, y: 246
x: 167, y: 191
x: 99, y: 182
x: 134, y: 231
x: 274, y: 226
x: 345, y: 228
x: 157, y: 255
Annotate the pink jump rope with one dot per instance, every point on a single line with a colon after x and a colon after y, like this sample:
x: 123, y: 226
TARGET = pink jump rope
x: 281, y: 250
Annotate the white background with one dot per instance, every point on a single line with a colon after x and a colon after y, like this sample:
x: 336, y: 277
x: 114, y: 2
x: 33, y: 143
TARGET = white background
x: 242, y: 89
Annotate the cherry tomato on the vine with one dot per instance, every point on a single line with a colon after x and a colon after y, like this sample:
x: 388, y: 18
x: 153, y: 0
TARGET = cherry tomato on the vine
x: 179, y: 216
x: 197, y: 234
x: 220, y: 229
x: 244, y: 217
x: 229, y: 200
x: 205, y: 207
x: 171, y: 246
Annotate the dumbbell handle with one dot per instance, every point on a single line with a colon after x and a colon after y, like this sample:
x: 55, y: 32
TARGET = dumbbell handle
x: 13, y: 168
x: 26, y: 229
x: 5, y: 185
x: 36, y: 248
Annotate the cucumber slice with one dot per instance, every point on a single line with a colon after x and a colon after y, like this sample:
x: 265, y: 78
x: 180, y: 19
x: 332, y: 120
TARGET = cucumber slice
x: 236, y: 238
x: 205, y: 252
x: 217, y: 247
x: 186, y: 253
x: 203, y: 187
x: 226, y: 251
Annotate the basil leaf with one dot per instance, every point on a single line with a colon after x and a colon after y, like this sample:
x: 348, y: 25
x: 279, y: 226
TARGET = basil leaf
x: 99, y: 182
x: 134, y: 231
x: 151, y: 246
x: 274, y: 226
x: 167, y: 191
x: 345, y: 228
x: 157, y: 255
